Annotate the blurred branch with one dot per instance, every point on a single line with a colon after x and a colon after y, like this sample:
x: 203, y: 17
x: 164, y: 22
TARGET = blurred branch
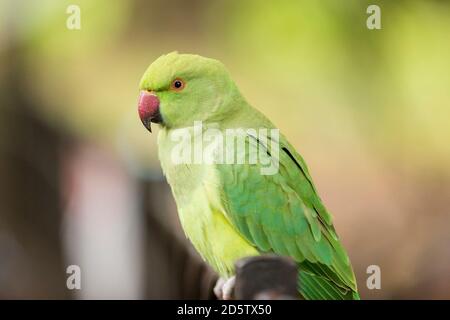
x: 173, y: 269
x: 31, y: 255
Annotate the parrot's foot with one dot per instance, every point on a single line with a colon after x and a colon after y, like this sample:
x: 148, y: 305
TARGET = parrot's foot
x: 224, y: 288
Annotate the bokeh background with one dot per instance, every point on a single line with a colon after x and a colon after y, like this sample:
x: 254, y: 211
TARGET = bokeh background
x: 80, y: 181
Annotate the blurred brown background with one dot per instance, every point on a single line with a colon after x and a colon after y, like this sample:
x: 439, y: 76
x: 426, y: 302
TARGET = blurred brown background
x: 80, y: 182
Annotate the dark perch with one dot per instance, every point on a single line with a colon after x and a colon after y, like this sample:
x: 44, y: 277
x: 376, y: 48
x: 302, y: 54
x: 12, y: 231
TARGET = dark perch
x: 267, y: 277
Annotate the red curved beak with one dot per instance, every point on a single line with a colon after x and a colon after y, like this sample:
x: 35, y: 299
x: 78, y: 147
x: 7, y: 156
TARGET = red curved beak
x: 148, y: 109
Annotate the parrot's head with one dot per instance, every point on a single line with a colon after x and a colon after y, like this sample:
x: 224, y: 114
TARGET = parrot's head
x: 178, y: 89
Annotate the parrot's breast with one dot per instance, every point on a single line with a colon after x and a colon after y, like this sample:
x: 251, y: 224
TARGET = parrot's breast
x: 201, y: 213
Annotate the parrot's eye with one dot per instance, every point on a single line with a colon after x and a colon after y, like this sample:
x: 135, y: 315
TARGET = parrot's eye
x: 177, y: 85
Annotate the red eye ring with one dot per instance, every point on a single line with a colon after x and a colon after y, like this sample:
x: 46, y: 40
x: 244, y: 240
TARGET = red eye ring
x: 177, y: 84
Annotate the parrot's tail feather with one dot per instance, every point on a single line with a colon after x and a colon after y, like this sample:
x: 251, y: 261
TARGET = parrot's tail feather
x: 313, y: 287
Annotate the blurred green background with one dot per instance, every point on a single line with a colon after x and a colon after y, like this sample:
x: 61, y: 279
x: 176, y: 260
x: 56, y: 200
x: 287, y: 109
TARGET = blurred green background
x: 369, y: 110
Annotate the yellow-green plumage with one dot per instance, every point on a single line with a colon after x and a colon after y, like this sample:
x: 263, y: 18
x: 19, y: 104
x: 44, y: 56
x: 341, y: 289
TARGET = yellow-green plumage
x: 229, y: 211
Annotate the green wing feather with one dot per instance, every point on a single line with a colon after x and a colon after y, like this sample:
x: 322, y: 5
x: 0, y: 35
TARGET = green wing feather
x: 282, y: 213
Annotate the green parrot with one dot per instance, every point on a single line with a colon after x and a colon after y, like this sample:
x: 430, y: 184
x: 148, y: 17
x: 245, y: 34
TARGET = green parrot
x: 232, y: 210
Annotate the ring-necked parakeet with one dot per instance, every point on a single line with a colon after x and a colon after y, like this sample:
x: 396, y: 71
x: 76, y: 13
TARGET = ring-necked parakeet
x: 232, y: 210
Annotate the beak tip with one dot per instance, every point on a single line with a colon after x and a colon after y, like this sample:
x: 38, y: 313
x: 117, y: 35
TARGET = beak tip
x: 147, y: 124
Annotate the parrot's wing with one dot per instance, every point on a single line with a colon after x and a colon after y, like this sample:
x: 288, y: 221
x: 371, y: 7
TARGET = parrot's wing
x: 282, y: 213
